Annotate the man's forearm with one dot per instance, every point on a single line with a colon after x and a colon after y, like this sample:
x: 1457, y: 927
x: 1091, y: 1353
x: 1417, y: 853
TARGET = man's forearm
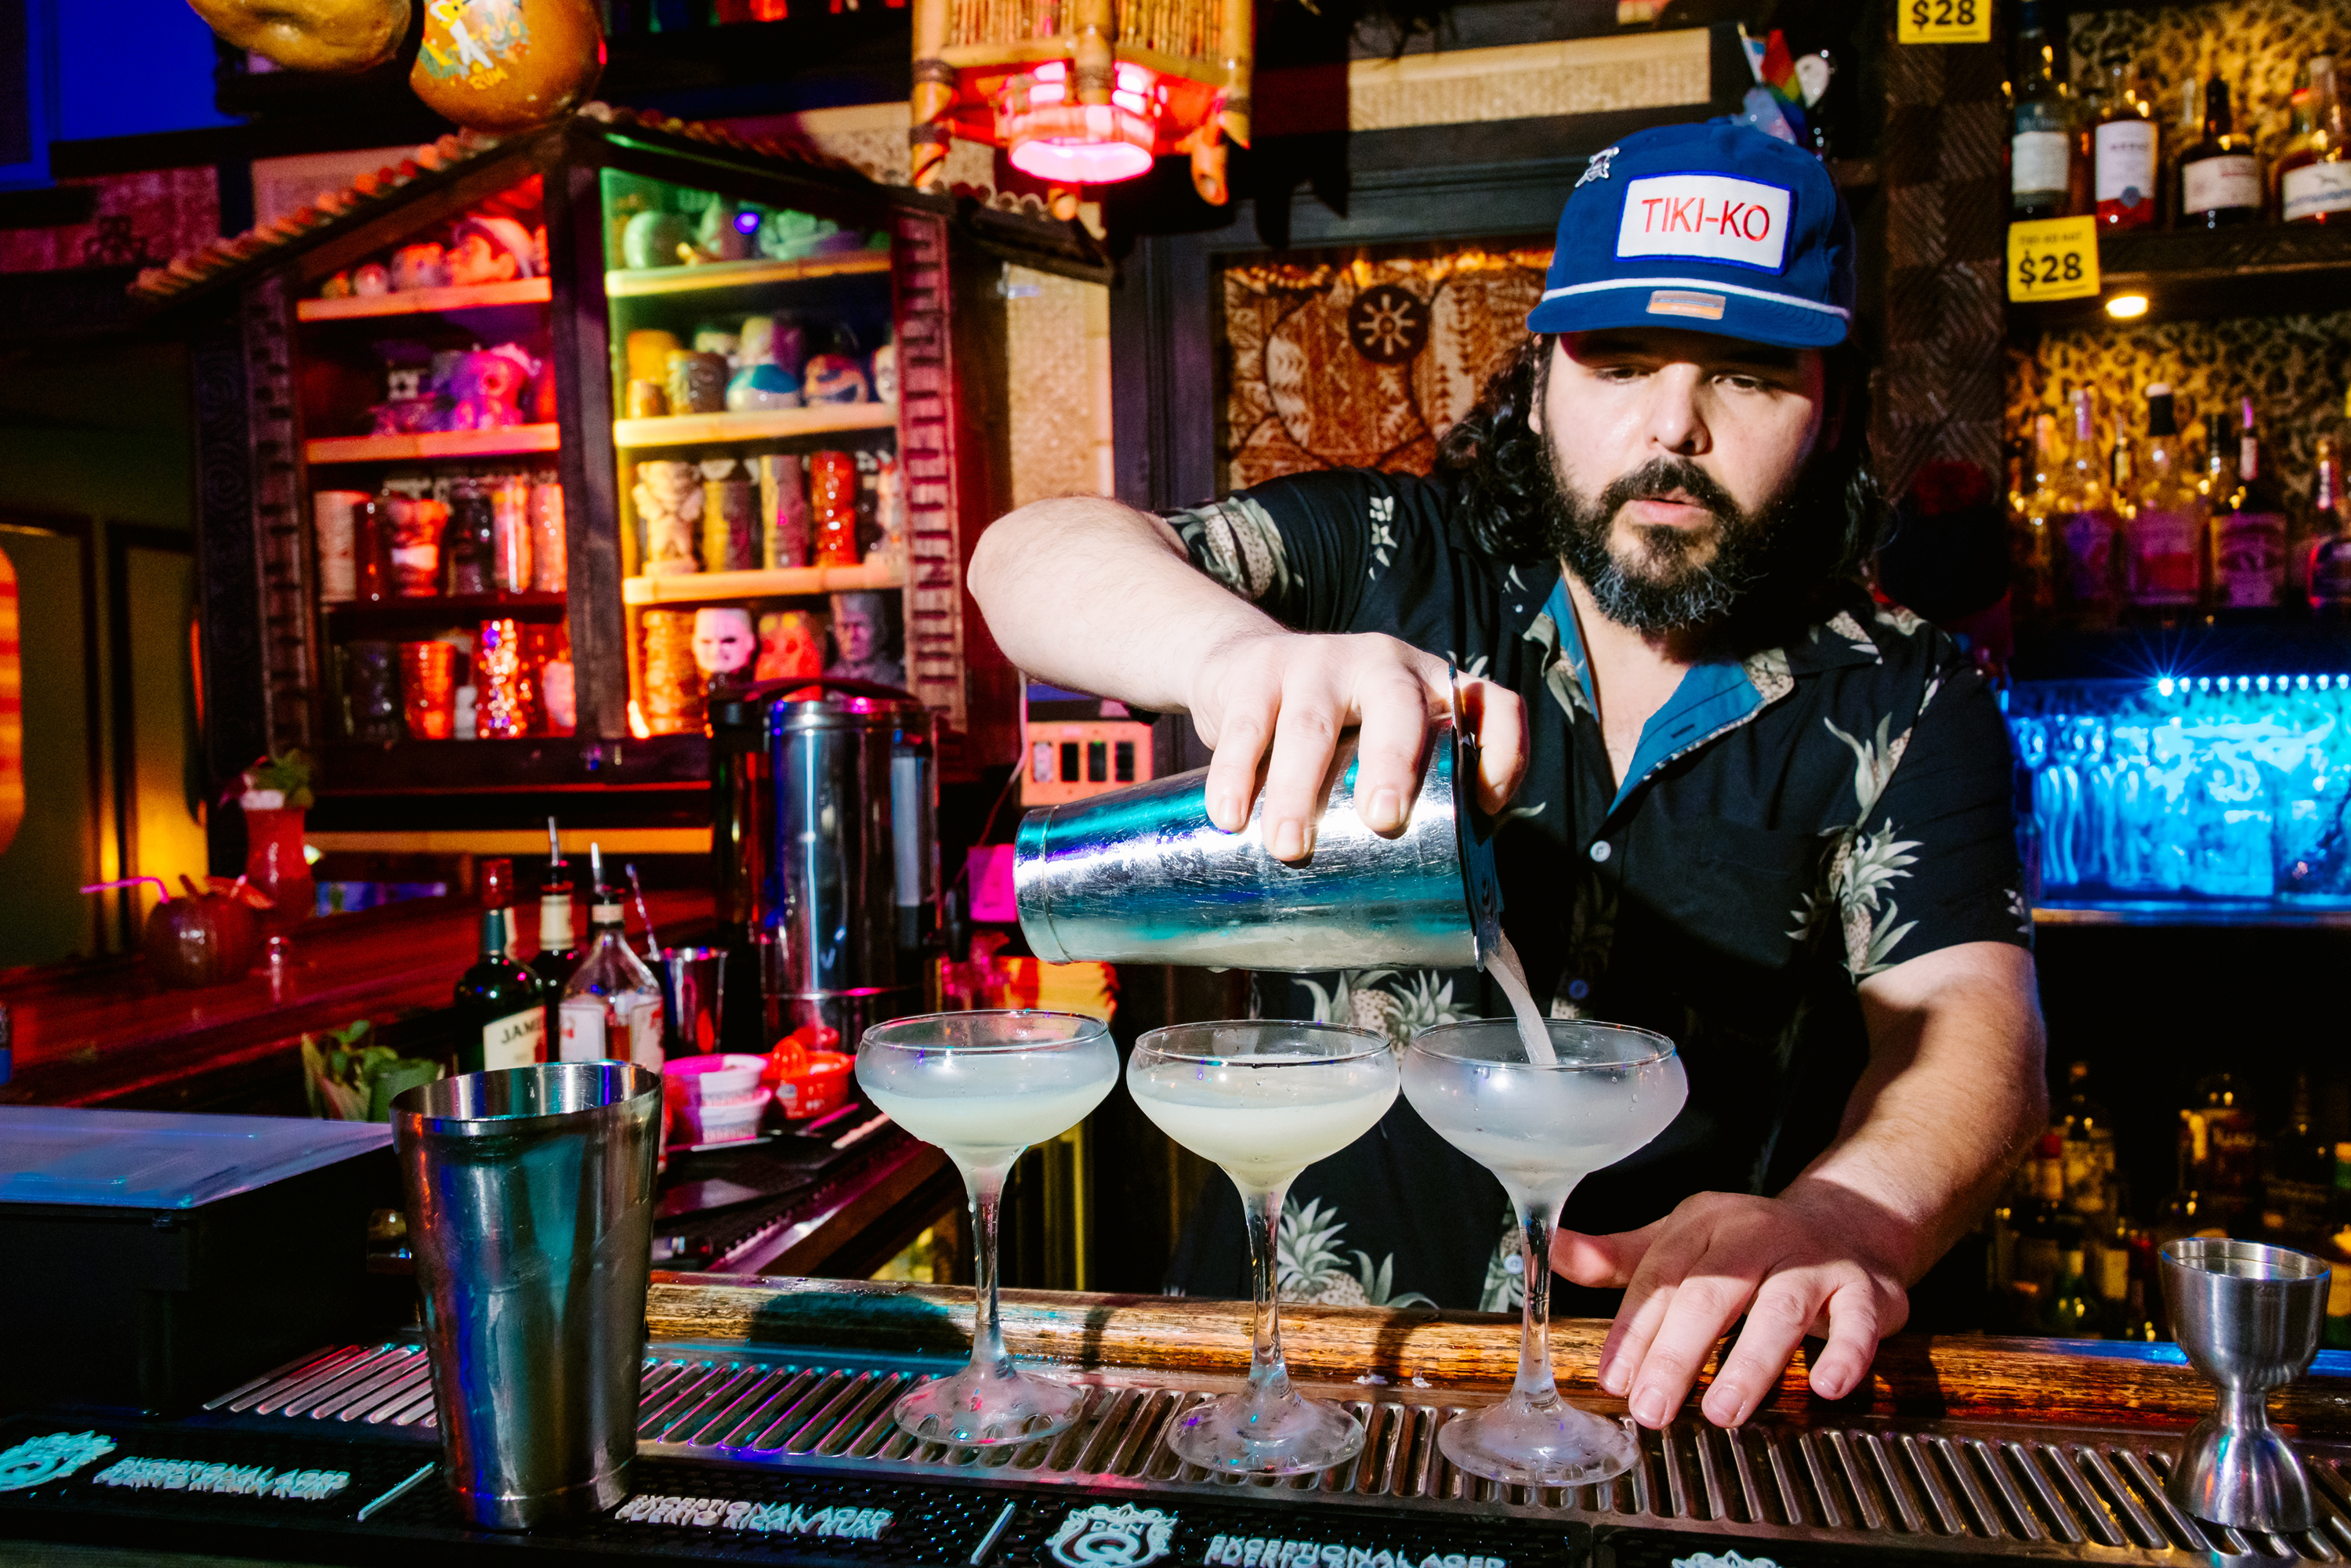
x: 1956, y: 1086
x: 1089, y: 594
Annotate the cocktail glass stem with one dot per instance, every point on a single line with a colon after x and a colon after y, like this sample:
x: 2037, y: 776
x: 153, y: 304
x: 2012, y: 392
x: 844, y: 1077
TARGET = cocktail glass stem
x: 985, y: 1188
x: 1535, y: 1386
x: 1268, y: 1378
x: 1534, y: 1438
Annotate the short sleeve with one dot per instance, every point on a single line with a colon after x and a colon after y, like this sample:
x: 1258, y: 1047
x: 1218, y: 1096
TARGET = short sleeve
x: 1314, y: 549
x: 1934, y: 862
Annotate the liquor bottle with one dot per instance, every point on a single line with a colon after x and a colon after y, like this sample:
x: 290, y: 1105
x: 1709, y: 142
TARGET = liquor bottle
x: 558, y: 949
x: 2219, y: 1153
x: 496, y: 877
x: 2070, y: 1314
x: 611, y: 1005
x: 2315, y: 175
x: 2328, y: 573
x: 2040, y: 126
x: 2338, y: 1253
x: 2216, y: 488
x: 2220, y: 178
x: 2297, y: 1188
x: 2081, y: 524
x: 501, y: 1010
x: 2033, y: 554
x: 2047, y: 1229
x: 2249, y: 534
x: 2122, y: 148
x: 2164, y: 534
x: 2087, y: 1144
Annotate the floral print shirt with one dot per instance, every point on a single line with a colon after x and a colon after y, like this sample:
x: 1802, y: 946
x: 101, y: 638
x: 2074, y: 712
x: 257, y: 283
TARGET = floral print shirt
x: 1791, y: 824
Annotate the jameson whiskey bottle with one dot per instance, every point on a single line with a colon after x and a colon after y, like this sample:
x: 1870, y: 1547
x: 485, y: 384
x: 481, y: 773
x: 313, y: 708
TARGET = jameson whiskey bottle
x: 501, y: 1010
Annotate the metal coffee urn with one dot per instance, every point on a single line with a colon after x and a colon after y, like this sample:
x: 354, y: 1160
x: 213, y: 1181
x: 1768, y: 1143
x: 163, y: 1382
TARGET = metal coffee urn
x: 825, y: 806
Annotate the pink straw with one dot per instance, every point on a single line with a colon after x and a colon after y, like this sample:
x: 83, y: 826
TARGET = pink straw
x: 164, y: 891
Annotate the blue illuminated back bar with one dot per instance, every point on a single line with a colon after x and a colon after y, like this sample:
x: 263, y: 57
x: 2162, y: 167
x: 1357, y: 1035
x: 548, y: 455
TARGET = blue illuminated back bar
x: 2178, y: 793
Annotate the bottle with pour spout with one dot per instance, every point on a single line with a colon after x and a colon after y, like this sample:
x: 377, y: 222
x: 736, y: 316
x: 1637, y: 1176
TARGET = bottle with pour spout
x: 612, y: 1004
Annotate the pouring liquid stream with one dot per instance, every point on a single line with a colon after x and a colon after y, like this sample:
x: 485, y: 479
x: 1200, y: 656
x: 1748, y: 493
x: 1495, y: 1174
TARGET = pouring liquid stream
x: 1511, y: 975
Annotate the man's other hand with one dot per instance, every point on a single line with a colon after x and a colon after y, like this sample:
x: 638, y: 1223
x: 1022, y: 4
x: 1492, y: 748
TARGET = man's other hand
x: 1292, y: 695
x: 1793, y: 1265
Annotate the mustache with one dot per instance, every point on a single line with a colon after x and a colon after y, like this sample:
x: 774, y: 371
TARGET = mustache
x: 1661, y: 476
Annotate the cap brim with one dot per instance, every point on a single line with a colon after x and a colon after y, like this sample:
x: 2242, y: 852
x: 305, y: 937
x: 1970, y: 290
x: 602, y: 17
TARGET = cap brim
x: 1692, y: 305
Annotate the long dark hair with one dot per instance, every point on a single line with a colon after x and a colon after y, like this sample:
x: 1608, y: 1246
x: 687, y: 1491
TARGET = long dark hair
x: 1502, y: 469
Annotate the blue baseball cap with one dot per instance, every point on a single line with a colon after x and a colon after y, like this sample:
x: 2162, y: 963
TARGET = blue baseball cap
x: 1715, y: 227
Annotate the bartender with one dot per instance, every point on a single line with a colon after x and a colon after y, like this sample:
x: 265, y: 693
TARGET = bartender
x: 1740, y: 803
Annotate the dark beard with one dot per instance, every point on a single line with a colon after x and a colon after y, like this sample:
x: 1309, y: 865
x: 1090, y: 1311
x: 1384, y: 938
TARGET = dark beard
x: 1666, y: 590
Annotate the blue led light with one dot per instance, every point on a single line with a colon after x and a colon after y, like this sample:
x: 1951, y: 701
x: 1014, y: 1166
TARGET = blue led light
x: 2164, y: 686
x: 746, y: 223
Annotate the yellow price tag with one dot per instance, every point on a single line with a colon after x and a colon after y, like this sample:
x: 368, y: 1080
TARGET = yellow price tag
x: 1942, y: 21
x: 2052, y: 258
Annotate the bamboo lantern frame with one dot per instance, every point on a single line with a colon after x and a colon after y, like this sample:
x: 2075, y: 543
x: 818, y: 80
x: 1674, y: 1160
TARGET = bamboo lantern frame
x: 973, y: 57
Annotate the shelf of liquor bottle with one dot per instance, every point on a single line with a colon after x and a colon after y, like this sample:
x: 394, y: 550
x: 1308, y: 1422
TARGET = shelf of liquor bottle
x: 445, y: 609
x: 782, y: 583
x: 506, y: 440
x: 2251, y: 269
x: 2334, y: 914
x: 428, y: 301
x: 638, y: 283
x: 762, y: 424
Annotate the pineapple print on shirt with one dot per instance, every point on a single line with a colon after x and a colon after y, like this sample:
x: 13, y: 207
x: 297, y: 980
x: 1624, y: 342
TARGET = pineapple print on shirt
x: 1311, y: 1266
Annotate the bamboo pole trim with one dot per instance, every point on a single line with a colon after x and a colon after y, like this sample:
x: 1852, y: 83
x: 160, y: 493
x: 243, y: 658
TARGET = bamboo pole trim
x: 1474, y: 1353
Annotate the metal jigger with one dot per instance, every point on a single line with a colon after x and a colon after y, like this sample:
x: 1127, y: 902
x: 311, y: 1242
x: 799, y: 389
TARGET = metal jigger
x: 2247, y: 1318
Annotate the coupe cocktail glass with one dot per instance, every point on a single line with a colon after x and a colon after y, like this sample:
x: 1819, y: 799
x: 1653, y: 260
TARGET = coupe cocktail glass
x: 1264, y: 1100
x: 984, y: 1086
x: 1540, y: 1129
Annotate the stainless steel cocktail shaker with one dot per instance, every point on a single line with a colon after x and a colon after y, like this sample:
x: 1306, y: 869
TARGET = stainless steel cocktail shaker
x: 1141, y: 875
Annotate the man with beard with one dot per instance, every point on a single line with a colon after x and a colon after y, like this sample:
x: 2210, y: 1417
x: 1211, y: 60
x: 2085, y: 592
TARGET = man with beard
x: 1741, y: 804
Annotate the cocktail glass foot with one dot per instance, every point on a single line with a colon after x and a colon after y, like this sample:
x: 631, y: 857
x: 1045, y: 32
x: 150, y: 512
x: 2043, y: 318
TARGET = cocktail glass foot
x: 1277, y: 1432
x: 986, y: 1406
x: 1534, y: 1445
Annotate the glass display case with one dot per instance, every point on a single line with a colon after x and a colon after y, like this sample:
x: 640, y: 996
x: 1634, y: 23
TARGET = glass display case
x: 507, y: 450
x: 753, y: 370
x: 2186, y: 798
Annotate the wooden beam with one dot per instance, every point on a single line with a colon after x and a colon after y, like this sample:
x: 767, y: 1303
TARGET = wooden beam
x: 1918, y: 1376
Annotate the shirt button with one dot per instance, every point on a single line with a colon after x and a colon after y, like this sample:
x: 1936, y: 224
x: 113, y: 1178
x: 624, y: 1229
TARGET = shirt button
x: 1601, y: 851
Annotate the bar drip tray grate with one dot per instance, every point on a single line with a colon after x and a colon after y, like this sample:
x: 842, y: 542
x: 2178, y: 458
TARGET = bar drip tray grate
x: 1938, y: 1486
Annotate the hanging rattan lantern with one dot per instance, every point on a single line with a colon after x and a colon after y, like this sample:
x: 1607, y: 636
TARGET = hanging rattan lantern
x: 1083, y: 92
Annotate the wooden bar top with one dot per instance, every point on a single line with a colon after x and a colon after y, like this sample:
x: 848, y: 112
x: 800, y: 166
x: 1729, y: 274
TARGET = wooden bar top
x: 105, y: 1032
x: 1404, y: 1351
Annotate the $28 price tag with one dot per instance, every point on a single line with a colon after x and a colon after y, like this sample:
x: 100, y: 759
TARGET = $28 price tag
x: 2052, y: 258
x: 1942, y: 21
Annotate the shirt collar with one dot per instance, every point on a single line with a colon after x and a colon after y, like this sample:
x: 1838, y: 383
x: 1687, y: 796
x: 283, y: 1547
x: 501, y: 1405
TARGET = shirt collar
x: 1714, y: 697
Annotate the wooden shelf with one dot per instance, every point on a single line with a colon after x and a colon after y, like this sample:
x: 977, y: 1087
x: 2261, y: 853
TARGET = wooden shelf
x: 702, y: 587
x: 767, y: 424
x: 505, y: 441
x: 2258, y: 269
x: 448, y: 609
x: 638, y: 284
x: 428, y: 301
